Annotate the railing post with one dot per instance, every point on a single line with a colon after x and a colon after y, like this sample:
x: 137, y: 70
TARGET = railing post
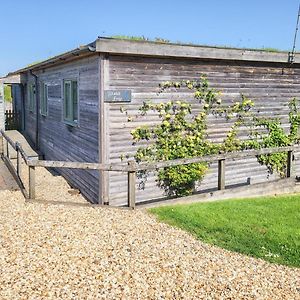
x: 7, y: 151
x: 221, y: 174
x: 1, y: 145
x: 131, y: 185
x: 31, y: 182
x: 18, y: 159
x: 289, y: 164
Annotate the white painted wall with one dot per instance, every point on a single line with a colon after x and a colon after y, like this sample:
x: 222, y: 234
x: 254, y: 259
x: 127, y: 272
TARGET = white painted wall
x: 2, y: 107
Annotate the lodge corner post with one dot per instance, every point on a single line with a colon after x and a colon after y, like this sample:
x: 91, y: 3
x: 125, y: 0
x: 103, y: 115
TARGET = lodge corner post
x: 102, y: 131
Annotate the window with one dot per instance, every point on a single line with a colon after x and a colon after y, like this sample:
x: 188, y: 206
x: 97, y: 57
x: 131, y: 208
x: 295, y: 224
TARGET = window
x: 70, y: 102
x: 44, y: 99
x: 31, y: 97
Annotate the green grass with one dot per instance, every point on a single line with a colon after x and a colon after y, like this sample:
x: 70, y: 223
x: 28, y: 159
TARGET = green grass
x: 270, y: 49
x: 268, y: 228
x: 166, y: 41
x: 7, y: 93
x: 140, y: 38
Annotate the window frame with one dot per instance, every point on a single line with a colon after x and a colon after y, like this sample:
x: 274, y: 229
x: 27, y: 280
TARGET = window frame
x: 44, y: 99
x: 70, y: 120
x: 31, y: 97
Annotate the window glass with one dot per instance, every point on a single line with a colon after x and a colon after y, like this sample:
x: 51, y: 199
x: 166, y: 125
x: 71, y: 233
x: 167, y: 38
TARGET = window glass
x: 31, y: 97
x: 44, y: 99
x: 71, y: 102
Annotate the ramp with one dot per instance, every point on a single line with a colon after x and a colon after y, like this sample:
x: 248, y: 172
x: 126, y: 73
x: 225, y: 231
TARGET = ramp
x: 7, y: 182
x: 16, y: 136
x: 13, y: 160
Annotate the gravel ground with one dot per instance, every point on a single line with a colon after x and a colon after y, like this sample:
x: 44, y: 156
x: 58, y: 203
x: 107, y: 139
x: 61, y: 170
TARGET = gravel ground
x: 70, y: 252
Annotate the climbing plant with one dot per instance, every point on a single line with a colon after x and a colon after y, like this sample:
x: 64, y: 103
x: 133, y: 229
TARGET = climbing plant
x: 181, y: 131
x: 179, y: 134
x: 269, y: 133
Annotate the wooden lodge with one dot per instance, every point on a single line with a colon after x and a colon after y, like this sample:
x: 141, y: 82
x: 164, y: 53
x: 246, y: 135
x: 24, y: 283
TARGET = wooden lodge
x: 71, y: 105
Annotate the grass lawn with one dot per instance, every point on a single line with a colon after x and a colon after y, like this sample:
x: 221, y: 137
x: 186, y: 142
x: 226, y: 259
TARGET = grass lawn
x: 266, y: 227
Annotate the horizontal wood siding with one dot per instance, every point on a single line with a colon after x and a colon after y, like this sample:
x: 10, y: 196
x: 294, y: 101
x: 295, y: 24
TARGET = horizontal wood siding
x: 59, y: 141
x: 269, y: 85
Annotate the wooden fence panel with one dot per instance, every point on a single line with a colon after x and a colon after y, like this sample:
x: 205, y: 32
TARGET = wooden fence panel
x: 11, y: 120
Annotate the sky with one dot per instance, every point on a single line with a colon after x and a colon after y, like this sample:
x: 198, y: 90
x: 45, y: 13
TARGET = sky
x: 33, y: 30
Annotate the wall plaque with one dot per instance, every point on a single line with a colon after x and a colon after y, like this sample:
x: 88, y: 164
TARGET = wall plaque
x: 117, y: 96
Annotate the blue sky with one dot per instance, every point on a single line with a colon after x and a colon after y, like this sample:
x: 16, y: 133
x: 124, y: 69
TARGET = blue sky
x: 34, y: 30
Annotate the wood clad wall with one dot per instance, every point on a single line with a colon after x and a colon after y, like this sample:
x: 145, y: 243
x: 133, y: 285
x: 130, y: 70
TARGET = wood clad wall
x: 17, y: 96
x: 269, y: 85
x: 59, y: 141
x: 30, y: 117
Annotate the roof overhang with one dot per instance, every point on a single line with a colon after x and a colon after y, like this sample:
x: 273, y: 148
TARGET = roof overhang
x: 65, y: 57
x: 12, y: 79
x: 160, y: 49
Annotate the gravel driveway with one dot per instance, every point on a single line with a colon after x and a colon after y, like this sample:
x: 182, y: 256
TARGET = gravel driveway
x: 71, y: 252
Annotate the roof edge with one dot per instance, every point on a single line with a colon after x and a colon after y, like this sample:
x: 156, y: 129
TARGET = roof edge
x: 161, y: 49
x: 10, y: 79
x: 58, y: 58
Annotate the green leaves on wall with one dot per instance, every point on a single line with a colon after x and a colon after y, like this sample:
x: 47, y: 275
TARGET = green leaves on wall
x: 182, y: 133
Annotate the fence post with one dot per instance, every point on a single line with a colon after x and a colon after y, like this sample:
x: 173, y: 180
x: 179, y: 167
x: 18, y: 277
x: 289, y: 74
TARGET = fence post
x: 289, y: 164
x: 221, y: 174
x: 31, y: 182
x: 131, y: 185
